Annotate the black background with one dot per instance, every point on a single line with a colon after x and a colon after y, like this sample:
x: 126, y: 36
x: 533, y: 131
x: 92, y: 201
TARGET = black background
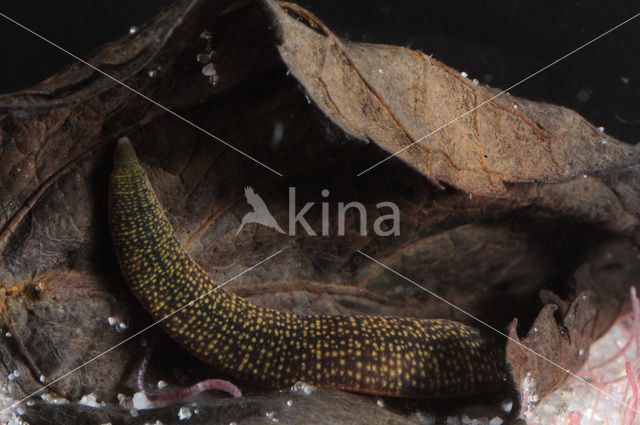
x: 498, y: 42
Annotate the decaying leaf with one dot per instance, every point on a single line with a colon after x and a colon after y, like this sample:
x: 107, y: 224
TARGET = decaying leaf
x: 438, y: 121
x: 554, y: 346
x: 61, y: 282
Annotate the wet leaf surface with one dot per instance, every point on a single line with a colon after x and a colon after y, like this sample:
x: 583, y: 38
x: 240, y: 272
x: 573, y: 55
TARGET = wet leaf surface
x: 444, y: 125
x: 560, y: 232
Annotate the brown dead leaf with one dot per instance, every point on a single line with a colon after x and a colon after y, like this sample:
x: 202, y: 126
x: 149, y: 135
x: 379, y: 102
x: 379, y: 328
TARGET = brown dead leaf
x: 556, y: 346
x: 438, y: 121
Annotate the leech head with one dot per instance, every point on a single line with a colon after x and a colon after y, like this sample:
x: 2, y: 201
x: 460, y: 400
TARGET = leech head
x: 125, y: 156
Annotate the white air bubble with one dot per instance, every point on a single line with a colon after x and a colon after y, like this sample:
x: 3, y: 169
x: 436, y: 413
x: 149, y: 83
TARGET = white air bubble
x: 506, y: 406
x: 51, y: 399
x: 464, y: 74
x: 124, y: 401
x: 203, y: 57
x: 209, y: 70
x: 90, y: 400
x: 184, y: 413
x: 133, y: 30
x: 141, y: 402
x: 301, y: 387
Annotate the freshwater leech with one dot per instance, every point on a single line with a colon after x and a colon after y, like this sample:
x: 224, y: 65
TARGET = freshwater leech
x: 394, y: 356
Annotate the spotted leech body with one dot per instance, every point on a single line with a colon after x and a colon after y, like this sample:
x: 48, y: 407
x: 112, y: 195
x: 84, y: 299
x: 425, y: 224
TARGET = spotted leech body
x: 403, y: 357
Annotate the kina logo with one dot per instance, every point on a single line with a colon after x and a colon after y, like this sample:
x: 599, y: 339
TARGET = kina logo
x: 260, y: 213
x: 333, y: 216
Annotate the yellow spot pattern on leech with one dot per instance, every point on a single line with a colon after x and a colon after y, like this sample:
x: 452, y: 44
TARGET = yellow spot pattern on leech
x: 405, y: 357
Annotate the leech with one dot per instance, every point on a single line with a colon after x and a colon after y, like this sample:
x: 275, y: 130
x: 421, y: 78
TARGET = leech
x: 382, y: 355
